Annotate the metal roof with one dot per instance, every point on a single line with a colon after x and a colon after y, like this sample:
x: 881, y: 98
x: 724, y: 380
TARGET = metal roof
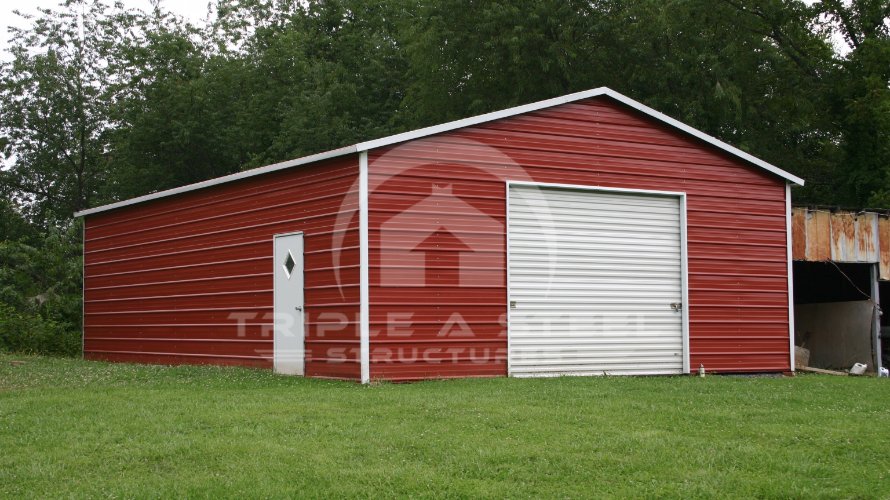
x: 445, y: 127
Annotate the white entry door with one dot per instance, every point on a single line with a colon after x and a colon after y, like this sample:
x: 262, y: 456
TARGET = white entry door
x: 288, y: 291
x: 595, y: 282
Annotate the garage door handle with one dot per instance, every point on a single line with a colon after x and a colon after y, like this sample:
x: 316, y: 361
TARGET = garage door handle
x: 676, y: 306
x: 299, y: 308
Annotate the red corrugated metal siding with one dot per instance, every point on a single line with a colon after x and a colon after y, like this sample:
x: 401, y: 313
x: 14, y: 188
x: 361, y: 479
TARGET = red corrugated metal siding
x: 736, y: 232
x: 162, y: 278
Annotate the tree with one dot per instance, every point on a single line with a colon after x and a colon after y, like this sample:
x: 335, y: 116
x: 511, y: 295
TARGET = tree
x: 320, y: 75
x: 696, y: 60
x: 265, y: 82
x: 40, y: 301
x: 471, y: 57
x: 170, y: 120
x: 851, y: 88
x: 55, y: 111
x: 56, y: 100
x: 861, y: 97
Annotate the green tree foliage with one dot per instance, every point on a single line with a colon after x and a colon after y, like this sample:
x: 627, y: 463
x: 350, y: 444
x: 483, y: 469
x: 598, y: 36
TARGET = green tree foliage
x: 339, y: 75
x: 267, y: 81
x: 54, y: 100
x: 40, y: 306
x: 755, y: 78
x: 850, y: 93
x: 469, y: 57
x: 309, y: 77
x: 100, y: 103
x: 861, y: 99
x: 174, y: 119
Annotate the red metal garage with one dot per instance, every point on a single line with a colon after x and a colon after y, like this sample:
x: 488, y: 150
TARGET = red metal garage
x: 586, y: 234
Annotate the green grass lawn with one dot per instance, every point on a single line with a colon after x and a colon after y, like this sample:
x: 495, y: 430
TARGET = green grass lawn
x: 75, y: 428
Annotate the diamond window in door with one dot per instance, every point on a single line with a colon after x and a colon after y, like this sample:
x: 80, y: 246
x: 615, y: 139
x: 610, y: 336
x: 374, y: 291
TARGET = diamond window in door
x: 289, y: 264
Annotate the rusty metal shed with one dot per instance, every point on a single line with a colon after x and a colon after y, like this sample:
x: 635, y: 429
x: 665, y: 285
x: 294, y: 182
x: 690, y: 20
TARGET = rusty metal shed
x: 841, y: 264
x: 822, y: 235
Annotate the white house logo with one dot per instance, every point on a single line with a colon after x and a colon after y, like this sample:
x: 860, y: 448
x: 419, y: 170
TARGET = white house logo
x: 437, y: 266
x: 441, y: 240
x: 424, y: 234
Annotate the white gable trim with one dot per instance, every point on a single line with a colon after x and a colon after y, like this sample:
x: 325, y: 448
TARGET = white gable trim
x: 466, y: 122
x: 704, y: 137
x: 602, y: 91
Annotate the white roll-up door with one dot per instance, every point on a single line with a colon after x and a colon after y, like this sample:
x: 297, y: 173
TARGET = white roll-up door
x: 595, y: 282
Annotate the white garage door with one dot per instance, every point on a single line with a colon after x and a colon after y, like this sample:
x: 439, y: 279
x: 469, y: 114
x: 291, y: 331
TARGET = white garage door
x: 595, y: 282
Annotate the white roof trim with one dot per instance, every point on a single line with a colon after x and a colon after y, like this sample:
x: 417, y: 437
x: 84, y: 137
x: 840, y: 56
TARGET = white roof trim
x: 222, y: 180
x: 445, y: 127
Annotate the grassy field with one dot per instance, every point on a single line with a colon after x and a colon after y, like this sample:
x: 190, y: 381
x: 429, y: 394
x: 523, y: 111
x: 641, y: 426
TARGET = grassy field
x: 75, y: 428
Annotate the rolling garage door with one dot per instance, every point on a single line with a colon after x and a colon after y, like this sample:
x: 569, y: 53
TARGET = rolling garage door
x: 595, y: 282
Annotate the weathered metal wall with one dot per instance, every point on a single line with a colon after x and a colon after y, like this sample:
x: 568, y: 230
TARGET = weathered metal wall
x: 452, y: 322
x: 188, y: 279
x: 842, y: 236
x: 837, y: 334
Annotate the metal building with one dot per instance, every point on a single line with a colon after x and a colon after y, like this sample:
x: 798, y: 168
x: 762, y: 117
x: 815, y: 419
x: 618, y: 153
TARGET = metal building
x: 586, y: 234
x: 841, y: 269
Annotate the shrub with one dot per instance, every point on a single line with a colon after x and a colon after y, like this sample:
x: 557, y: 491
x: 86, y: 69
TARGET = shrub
x: 33, y: 334
x: 40, y: 293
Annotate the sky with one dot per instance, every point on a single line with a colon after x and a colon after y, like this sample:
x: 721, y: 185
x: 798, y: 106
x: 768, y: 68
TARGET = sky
x: 194, y: 10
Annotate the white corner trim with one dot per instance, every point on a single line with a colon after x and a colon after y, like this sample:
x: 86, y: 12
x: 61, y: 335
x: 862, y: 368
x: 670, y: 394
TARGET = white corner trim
x: 364, y: 274
x: 221, y: 180
x: 507, y: 270
x: 789, y: 257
